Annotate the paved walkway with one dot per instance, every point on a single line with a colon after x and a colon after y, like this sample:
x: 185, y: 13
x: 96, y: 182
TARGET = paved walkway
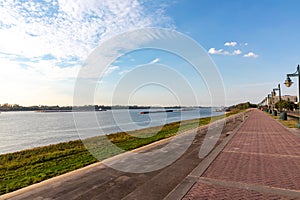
x: 262, y: 161
x: 98, y: 181
x: 259, y: 159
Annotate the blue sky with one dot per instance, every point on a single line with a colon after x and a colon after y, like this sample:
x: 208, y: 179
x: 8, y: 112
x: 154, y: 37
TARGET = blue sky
x: 43, y: 45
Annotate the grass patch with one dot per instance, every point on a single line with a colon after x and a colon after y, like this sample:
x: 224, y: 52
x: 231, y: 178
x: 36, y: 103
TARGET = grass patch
x: 291, y: 122
x: 23, y: 168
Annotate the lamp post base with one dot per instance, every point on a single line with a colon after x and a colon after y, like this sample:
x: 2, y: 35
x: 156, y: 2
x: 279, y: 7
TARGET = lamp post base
x: 283, y: 115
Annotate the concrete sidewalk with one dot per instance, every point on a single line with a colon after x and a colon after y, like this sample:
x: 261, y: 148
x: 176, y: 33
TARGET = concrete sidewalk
x: 262, y: 161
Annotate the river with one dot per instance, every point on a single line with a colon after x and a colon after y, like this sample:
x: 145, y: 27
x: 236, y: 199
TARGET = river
x: 25, y: 130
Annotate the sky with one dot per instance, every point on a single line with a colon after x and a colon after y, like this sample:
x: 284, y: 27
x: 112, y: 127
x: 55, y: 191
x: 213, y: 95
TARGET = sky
x: 45, y: 44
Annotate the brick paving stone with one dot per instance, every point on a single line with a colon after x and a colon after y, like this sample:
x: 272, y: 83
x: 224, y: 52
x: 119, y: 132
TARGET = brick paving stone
x: 281, y: 172
x: 209, y: 191
x: 263, y: 153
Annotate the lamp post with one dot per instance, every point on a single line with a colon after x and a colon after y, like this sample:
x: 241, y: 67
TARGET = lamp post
x: 269, y: 102
x: 289, y: 82
x: 273, y: 93
x: 272, y: 100
x: 280, y: 106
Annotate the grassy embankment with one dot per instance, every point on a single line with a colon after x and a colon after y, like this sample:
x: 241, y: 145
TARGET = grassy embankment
x: 291, y: 122
x: 21, y: 169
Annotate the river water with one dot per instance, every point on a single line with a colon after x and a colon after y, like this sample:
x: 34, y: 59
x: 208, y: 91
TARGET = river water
x: 24, y: 130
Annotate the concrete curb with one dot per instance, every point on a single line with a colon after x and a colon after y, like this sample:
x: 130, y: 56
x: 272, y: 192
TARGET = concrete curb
x: 186, y: 184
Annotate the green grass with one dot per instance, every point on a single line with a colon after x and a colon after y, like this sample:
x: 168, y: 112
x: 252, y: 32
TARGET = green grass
x: 23, y: 168
x: 291, y: 122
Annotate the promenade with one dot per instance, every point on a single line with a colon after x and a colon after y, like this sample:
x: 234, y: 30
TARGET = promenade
x: 262, y: 161
x: 256, y: 158
x: 99, y: 181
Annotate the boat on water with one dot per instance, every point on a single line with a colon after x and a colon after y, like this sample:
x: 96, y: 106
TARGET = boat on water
x: 157, y: 111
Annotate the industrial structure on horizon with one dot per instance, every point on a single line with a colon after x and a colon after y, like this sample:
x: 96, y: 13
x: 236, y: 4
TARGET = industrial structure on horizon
x: 284, y: 97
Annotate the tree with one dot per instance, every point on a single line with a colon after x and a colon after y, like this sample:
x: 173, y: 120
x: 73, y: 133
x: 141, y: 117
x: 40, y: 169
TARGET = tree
x: 286, y: 105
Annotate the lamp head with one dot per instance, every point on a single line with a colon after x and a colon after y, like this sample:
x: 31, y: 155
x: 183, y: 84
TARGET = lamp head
x: 288, y: 82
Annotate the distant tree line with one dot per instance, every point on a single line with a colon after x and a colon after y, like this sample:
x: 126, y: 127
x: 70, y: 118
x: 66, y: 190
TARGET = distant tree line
x: 243, y: 106
x: 17, y: 107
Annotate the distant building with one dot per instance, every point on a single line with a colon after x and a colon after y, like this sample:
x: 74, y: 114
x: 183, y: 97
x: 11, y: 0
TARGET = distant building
x: 286, y: 98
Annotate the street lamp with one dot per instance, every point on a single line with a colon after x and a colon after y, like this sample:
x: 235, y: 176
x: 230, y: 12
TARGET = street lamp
x: 274, y: 112
x: 288, y: 82
x: 270, y: 102
x: 280, y: 106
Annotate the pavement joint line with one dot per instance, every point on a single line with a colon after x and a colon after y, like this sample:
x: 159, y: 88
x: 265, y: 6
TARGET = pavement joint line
x: 101, y: 164
x: 246, y: 186
x: 263, y: 154
x: 188, y: 182
x: 264, y: 133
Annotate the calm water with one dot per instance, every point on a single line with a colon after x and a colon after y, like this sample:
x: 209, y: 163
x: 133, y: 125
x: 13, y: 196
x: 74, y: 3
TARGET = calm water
x: 24, y: 130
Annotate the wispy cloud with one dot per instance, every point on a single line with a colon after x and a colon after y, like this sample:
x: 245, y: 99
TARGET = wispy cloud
x: 237, y: 52
x: 230, y: 44
x: 110, y: 70
x: 250, y: 55
x: 223, y: 52
x: 50, y: 39
x: 218, y: 51
x: 156, y: 60
x: 66, y: 28
x: 34, y: 84
x: 124, y: 72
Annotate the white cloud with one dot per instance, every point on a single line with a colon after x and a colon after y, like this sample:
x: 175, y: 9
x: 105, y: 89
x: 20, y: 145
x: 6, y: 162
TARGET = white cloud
x: 156, y: 60
x: 250, y: 55
x: 124, y: 72
x: 65, y: 30
x: 237, y: 52
x: 215, y: 51
x: 232, y: 44
x: 39, y: 83
x: 220, y: 52
x: 110, y: 70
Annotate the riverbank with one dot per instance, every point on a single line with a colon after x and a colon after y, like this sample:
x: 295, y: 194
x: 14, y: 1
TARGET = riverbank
x: 25, y: 130
x: 27, y: 167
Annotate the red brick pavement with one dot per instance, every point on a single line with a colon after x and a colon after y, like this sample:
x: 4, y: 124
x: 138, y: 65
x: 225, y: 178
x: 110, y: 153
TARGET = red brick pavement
x: 262, y: 161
